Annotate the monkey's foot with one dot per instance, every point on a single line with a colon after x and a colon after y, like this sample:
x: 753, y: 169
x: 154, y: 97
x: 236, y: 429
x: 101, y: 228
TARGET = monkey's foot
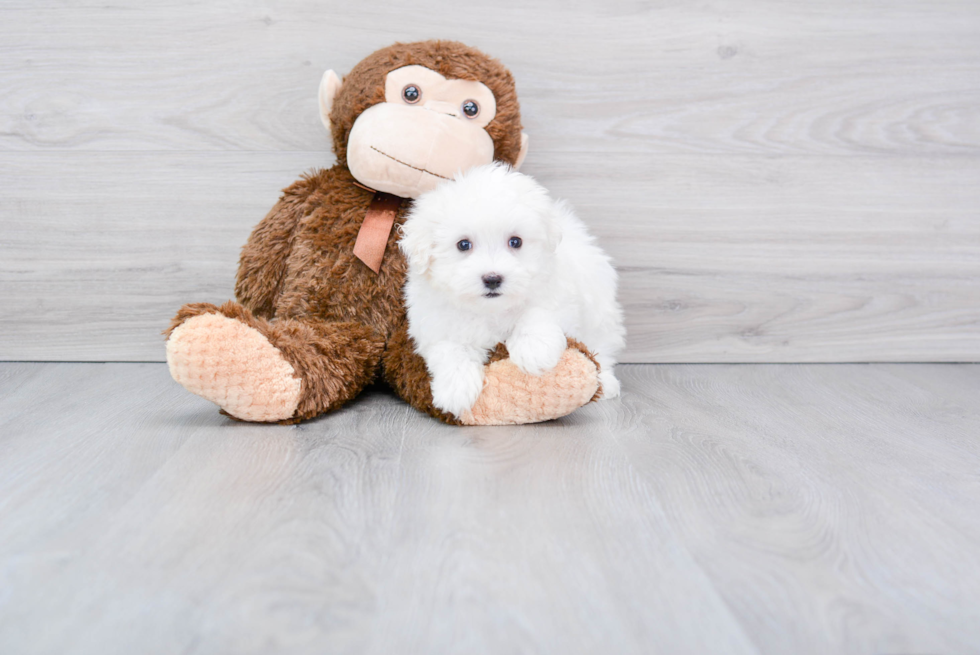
x: 234, y: 366
x: 512, y: 397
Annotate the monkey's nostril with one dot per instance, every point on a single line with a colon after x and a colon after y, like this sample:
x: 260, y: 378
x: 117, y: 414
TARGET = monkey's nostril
x: 492, y: 281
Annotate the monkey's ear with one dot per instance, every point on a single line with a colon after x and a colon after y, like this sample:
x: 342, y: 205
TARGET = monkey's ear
x: 329, y: 86
x: 523, y: 153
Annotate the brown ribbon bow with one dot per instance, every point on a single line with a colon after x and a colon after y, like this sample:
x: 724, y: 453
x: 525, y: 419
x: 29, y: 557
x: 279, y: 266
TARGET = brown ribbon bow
x: 373, y: 235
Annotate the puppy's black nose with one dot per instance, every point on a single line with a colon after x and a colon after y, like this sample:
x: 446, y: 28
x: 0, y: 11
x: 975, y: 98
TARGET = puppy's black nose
x: 492, y: 281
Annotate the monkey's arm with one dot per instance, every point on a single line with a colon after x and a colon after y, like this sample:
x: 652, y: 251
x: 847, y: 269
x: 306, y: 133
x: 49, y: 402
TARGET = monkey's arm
x: 262, y: 266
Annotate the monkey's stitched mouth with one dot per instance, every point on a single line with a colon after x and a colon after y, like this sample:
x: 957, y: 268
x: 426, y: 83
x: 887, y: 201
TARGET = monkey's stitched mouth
x: 399, y: 161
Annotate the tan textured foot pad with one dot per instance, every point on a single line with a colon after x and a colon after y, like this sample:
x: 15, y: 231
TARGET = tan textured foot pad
x: 234, y: 366
x: 511, y: 397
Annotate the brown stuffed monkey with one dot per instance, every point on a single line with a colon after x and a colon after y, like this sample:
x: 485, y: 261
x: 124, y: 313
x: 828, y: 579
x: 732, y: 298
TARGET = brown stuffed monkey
x: 320, y: 311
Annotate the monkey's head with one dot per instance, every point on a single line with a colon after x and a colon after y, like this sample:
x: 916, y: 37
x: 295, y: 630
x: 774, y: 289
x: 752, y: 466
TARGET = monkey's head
x: 414, y: 114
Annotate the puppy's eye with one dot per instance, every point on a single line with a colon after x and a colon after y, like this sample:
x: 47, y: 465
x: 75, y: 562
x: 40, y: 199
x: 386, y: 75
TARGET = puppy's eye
x: 515, y: 242
x: 471, y: 109
x: 411, y: 94
x: 464, y: 244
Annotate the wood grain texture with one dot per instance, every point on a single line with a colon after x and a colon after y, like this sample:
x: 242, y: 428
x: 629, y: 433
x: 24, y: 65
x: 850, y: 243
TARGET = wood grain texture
x: 776, y: 181
x: 743, y: 509
x: 97, y: 265
x: 764, y: 77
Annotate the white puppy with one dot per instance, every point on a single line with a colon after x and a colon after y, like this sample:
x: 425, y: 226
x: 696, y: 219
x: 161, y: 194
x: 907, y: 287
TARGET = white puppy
x: 493, y: 259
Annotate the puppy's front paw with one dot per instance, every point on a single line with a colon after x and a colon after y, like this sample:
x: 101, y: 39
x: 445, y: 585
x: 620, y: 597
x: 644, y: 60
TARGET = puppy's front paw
x: 537, y: 350
x: 455, y: 388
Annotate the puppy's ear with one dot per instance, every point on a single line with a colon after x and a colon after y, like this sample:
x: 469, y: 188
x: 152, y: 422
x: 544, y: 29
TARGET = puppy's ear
x: 552, y: 225
x: 416, y: 245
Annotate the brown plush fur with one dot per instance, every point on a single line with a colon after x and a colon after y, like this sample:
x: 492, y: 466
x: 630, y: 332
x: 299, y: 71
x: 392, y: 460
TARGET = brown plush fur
x: 334, y: 360
x: 334, y: 320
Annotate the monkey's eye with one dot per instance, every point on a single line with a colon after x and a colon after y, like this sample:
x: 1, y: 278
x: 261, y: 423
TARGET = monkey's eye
x: 464, y: 244
x: 411, y: 94
x: 515, y: 242
x: 471, y: 109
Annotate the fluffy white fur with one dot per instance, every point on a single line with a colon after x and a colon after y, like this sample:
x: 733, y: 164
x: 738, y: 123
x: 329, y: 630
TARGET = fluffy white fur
x: 557, y: 283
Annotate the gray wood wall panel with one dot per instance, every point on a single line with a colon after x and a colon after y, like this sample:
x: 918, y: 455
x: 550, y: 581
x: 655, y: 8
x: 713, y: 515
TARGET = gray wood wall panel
x: 776, y: 181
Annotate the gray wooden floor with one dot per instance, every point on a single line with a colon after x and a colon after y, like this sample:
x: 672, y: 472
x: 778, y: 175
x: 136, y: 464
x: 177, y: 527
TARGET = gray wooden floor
x: 714, y: 508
